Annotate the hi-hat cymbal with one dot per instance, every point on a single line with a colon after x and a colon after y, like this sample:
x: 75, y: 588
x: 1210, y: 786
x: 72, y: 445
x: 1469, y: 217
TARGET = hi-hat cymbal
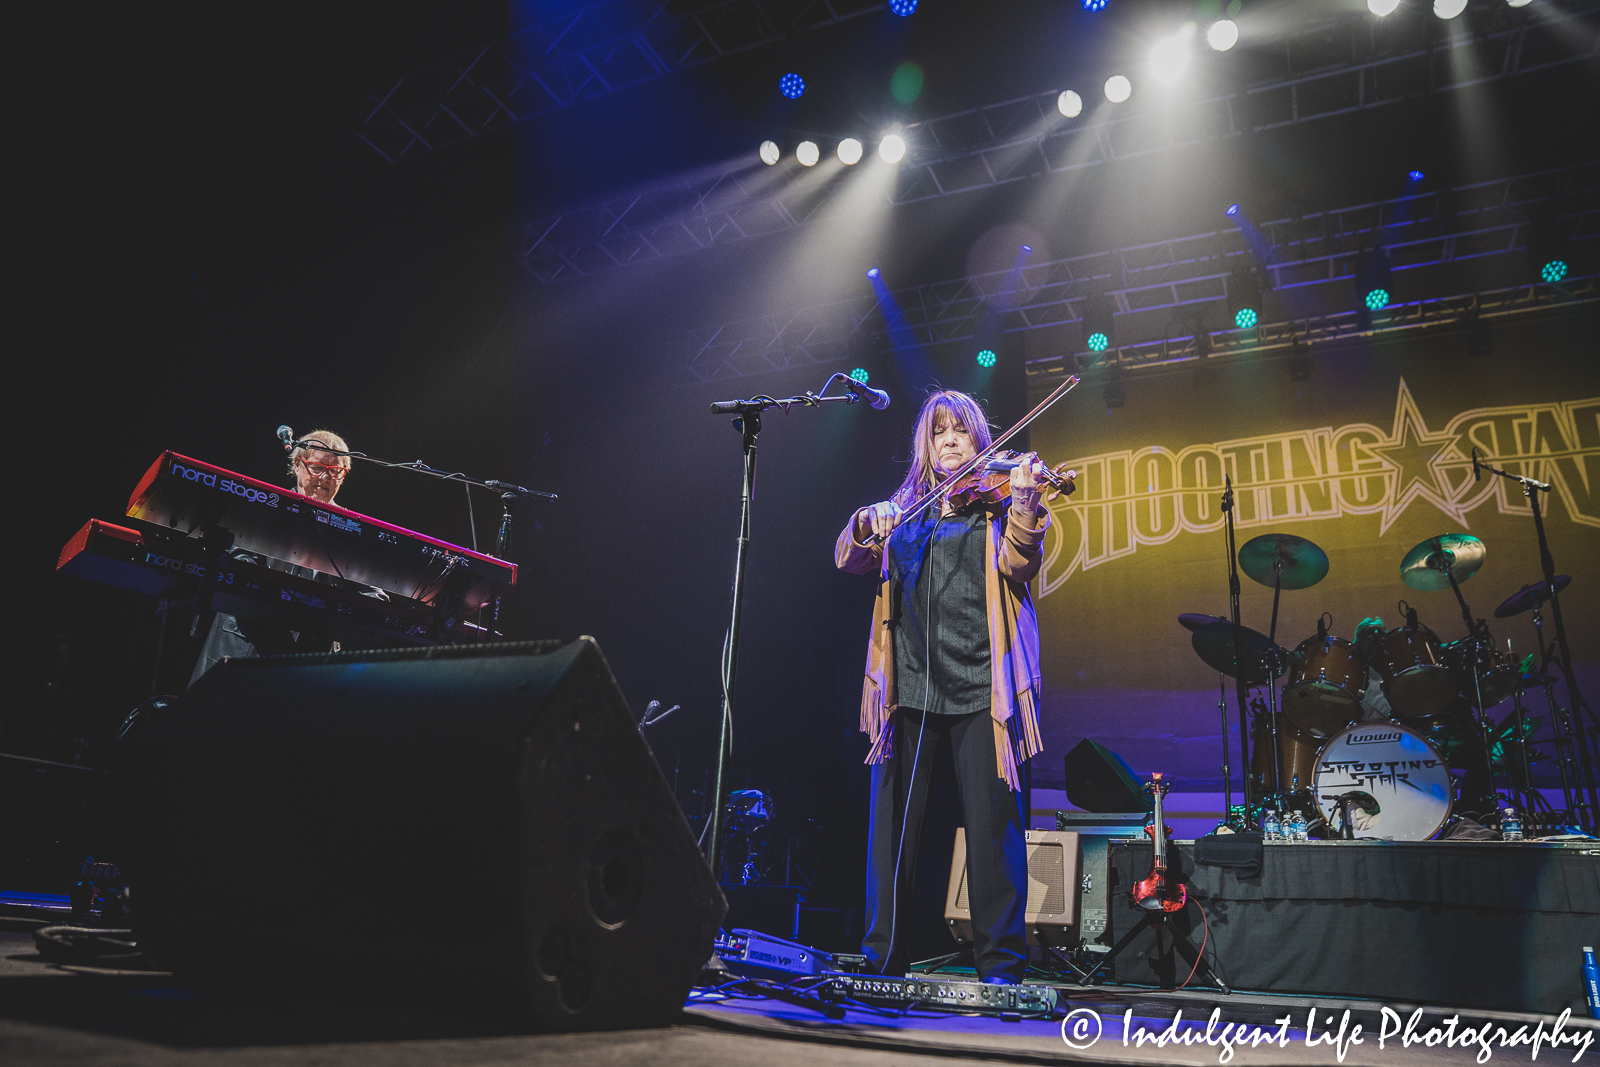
x: 1520, y: 601
x: 1214, y: 644
x: 1303, y: 563
x: 1429, y: 566
x: 1191, y: 621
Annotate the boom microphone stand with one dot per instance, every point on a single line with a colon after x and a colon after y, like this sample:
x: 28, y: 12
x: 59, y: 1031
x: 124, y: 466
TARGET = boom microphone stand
x: 1579, y: 706
x: 747, y: 421
x: 1238, y: 658
x: 509, y: 494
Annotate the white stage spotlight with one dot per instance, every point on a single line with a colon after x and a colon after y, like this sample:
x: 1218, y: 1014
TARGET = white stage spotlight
x: 1449, y: 9
x: 1382, y: 7
x: 1518, y: 3
x: 1223, y: 35
x: 849, y: 151
x: 1069, y: 104
x: 770, y: 153
x: 1118, y: 88
x: 892, y: 148
x: 807, y: 154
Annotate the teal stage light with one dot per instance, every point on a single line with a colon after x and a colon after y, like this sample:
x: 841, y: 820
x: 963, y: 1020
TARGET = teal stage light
x: 1245, y: 319
x: 1098, y: 342
x: 1554, y: 271
x: 986, y: 358
x: 860, y: 375
x: 1376, y: 299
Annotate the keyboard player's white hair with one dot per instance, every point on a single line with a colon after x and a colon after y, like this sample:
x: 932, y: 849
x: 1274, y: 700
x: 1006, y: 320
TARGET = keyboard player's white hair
x: 324, y: 437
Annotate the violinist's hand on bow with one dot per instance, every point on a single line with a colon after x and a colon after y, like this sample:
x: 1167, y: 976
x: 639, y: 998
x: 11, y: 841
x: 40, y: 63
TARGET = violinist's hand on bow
x: 1026, y: 482
x: 878, y: 520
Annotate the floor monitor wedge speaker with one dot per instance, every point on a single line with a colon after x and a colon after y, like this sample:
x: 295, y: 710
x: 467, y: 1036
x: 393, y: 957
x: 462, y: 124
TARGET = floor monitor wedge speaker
x: 1052, y: 908
x: 475, y: 827
x: 1098, y: 780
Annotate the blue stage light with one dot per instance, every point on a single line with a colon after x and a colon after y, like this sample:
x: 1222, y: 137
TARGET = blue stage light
x: 1376, y: 299
x: 902, y: 8
x: 1098, y: 342
x: 1245, y: 319
x: 986, y: 358
x: 792, y: 85
x: 1095, y: 5
x: 1415, y: 175
x: 1554, y: 271
x: 873, y: 273
x: 860, y: 375
x: 1233, y: 209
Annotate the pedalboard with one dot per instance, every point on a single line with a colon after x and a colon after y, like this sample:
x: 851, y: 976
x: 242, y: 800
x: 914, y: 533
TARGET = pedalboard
x: 943, y: 993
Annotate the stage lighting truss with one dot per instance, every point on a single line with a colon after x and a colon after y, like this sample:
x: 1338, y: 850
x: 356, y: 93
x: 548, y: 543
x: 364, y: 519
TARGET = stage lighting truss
x: 1151, y: 284
x: 593, y: 49
x: 982, y: 148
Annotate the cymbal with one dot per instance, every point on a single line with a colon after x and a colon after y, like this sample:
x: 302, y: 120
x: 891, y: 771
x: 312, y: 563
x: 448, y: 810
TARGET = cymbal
x: 1462, y: 553
x: 1304, y: 564
x: 1214, y: 644
x: 1191, y: 621
x: 1523, y: 599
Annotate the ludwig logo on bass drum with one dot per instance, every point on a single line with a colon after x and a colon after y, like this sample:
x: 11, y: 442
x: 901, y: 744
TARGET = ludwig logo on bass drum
x: 1372, y: 739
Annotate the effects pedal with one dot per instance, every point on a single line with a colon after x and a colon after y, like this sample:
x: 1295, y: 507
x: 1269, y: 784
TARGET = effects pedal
x: 757, y: 955
x: 946, y: 994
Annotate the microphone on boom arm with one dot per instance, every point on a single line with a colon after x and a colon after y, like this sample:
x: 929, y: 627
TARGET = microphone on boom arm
x: 286, y: 436
x: 876, y: 397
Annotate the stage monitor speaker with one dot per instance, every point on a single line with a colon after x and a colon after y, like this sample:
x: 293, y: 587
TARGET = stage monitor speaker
x: 1098, y: 780
x: 1052, y: 909
x: 476, y: 828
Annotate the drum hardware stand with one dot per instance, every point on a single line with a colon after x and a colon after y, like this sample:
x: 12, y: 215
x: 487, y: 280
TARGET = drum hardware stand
x: 1238, y: 661
x: 1560, y: 722
x: 1227, y: 773
x: 1477, y: 636
x: 1577, y: 705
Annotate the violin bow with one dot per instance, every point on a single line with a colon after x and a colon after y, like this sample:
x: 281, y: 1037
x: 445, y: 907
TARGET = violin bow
x: 983, y: 457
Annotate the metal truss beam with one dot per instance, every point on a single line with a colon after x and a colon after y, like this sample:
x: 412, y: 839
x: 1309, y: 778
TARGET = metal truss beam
x: 1156, y: 284
x: 1026, y: 138
x: 599, y: 48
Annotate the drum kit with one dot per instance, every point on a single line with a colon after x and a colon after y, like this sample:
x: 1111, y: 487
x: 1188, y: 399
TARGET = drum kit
x: 1367, y: 729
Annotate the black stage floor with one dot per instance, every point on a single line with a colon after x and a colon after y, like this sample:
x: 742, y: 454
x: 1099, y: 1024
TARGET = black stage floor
x: 66, y: 1016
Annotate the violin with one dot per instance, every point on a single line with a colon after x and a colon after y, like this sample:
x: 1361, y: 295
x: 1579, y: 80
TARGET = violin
x: 990, y: 481
x: 1156, y: 891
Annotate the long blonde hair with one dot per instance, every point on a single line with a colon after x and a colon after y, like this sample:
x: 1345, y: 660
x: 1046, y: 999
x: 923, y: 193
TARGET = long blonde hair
x: 959, y: 407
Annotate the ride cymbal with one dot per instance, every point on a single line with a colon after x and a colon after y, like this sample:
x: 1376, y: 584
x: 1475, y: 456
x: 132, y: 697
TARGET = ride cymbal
x: 1303, y: 563
x: 1214, y: 644
x: 1431, y: 564
x: 1522, y: 600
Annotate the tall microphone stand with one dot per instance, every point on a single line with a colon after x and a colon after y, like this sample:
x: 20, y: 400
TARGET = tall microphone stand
x: 1584, y: 731
x: 1238, y: 660
x: 747, y: 421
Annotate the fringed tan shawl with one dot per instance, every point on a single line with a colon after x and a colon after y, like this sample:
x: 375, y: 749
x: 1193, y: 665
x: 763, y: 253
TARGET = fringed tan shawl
x: 1014, y: 552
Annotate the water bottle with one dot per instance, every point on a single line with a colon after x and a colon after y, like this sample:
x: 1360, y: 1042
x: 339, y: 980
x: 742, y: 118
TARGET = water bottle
x: 1270, y: 828
x: 1297, y: 827
x: 1591, y: 982
x: 1510, y: 823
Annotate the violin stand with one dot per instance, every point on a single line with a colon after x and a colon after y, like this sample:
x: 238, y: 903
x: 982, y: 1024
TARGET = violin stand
x: 1180, y: 942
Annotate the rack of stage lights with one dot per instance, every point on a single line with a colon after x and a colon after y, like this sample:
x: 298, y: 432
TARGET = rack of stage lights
x: 1031, y: 136
x: 1312, y: 258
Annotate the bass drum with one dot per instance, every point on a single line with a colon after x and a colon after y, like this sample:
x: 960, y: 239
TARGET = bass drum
x: 1402, y: 771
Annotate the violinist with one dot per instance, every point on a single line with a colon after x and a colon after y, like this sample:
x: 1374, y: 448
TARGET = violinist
x: 952, y: 665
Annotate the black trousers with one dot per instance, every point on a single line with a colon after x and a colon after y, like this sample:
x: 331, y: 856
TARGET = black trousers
x: 997, y: 859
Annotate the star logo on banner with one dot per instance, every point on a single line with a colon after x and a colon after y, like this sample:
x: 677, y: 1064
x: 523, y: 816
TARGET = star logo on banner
x: 1413, y: 452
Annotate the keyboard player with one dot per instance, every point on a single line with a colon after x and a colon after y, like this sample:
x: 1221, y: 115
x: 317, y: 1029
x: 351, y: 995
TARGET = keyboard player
x: 318, y: 475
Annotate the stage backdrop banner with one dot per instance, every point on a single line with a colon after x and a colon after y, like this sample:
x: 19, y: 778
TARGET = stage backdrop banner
x: 1367, y: 458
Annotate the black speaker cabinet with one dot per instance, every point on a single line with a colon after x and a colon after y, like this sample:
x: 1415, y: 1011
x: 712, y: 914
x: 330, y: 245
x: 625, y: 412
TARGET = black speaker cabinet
x: 1098, y: 780
x: 477, y: 828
